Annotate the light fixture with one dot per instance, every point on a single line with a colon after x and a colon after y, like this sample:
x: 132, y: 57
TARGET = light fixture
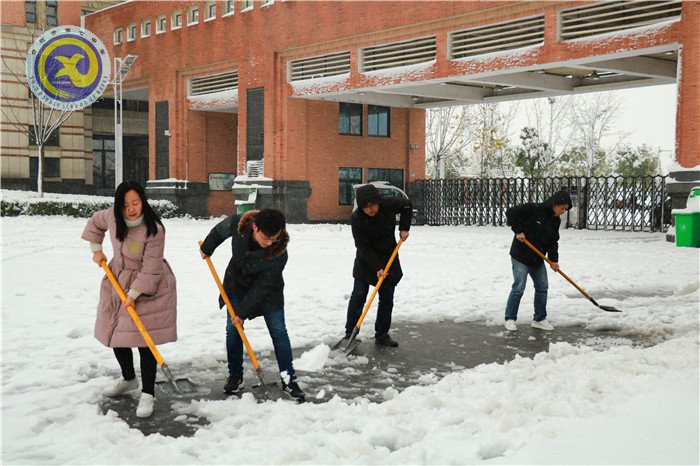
x: 498, y: 88
x: 414, y: 98
x: 593, y: 76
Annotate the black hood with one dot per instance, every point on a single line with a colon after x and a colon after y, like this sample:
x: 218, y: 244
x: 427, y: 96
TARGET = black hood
x: 561, y: 197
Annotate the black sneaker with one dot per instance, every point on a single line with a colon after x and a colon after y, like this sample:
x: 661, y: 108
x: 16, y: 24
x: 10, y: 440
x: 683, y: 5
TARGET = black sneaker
x: 293, y: 391
x: 385, y: 340
x: 233, y: 384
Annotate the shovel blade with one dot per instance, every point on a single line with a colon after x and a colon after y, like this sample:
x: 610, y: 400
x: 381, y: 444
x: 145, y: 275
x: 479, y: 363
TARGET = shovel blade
x: 352, y: 346
x: 182, y: 388
x: 609, y: 308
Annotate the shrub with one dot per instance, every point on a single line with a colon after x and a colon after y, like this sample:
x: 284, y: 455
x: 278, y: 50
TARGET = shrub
x: 84, y: 209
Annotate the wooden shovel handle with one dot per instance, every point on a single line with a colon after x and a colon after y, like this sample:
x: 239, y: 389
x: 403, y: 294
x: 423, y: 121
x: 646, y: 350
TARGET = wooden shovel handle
x: 560, y: 271
x: 132, y: 312
x: 231, y: 312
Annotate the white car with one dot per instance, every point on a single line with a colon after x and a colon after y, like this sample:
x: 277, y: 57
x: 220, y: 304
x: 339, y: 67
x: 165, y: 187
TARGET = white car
x: 385, y: 190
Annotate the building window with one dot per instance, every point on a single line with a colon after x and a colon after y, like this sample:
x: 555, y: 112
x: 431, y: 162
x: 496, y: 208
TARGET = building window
x: 350, y: 119
x: 209, y: 11
x: 146, y: 28
x: 246, y: 5
x: 176, y: 20
x: 103, y: 161
x: 52, y: 167
x: 228, y: 8
x: 267, y: 2
x: 160, y: 24
x: 52, y: 13
x: 393, y: 175
x: 53, y: 140
x: 30, y: 11
x: 118, y: 36
x: 193, y: 15
x: 131, y: 32
x: 346, y: 178
x: 378, y: 121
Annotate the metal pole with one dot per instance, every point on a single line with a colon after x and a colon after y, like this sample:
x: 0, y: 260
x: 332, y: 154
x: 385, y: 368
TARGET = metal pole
x: 118, y: 156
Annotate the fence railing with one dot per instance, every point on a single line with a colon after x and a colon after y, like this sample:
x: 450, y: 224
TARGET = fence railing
x: 599, y: 203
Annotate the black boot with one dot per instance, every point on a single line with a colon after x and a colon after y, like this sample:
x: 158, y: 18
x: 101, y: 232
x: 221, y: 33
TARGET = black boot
x: 385, y: 340
x: 233, y: 384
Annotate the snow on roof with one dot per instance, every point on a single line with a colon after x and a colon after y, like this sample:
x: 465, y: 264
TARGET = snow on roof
x: 214, y: 99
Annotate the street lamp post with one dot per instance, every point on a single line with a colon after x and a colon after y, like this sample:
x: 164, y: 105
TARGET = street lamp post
x: 121, y: 69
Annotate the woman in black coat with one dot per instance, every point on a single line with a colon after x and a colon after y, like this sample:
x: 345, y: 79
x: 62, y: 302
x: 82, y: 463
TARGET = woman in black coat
x: 373, y: 224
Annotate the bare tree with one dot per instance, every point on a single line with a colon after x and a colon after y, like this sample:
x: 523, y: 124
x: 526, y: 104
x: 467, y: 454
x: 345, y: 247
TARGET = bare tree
x: 592, y: 119
x: 548, y: 117
x: 447, y: 135
x: 43, y: 120
x: 491, y: 151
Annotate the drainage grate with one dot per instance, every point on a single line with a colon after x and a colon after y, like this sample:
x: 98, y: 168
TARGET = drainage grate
x: 397, y: 54
x: 496, y: 37
x: 319, y: 67
x: 214, y: 83
x: 600, y: 18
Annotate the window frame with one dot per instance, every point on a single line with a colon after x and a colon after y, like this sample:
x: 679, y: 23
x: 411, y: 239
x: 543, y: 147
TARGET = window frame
x: 118, y: 35
x: 246, y: 5
x: 228, y: 8
x: 350, y: 115
x: 51, y: 19
x: 191, y: 13
x: 347, y: 184
x: 30, y: 11
x: 129, y: 36
x: 146, y: 23
x: 54, y: 138
x: 176, y: 20
x: 379, y: 176
x: 162, y: 30
x: 208, y: 15
x: 372, y: 112
x: 52, y: 167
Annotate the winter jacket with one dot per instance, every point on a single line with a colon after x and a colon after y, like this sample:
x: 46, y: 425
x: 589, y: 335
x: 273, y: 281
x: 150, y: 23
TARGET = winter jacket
x: 138, y: 263
x: 375, y: 239
x: 254, y: 274
x: 541, y: 228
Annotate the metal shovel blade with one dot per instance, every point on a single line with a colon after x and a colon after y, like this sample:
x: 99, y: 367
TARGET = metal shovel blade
x: 609, y: 308
x: 182, y: 388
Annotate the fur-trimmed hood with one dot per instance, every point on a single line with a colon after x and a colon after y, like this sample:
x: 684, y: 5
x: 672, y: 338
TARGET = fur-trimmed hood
x: 277, y: 248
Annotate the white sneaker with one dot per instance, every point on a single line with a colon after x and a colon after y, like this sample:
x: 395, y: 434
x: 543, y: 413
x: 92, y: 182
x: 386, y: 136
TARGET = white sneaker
x: 122, y: 386
x: 145, y: 407
x: 510, y: 325
x: 542, y: 325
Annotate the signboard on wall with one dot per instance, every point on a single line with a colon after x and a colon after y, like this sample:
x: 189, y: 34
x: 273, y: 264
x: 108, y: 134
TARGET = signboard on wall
x: 68, y: 68
x: 221, y: 181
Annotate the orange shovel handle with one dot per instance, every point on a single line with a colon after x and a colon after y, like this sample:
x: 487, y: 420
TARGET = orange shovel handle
x: 560, y: 272
x: 132, y: 312
x: 231, y: 312
x: 379, y: 283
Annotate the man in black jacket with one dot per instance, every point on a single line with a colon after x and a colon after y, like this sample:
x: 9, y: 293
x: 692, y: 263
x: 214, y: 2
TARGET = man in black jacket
x: 539, y: 224
x: 373, y: 224
x: 254, y: 284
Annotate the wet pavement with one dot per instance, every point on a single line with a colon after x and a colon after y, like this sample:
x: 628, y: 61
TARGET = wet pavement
x: 426, y: 353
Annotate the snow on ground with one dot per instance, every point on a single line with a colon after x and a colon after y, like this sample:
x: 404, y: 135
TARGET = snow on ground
x: 623, y: 405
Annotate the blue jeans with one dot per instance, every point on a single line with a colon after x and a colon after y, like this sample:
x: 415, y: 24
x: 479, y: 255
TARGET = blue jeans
x: 280, y: 340
x: 357, y: 303
x: 539, y: 278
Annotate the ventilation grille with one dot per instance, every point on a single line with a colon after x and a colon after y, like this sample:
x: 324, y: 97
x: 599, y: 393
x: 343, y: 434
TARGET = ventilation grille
x: 497, y: 37
x: 396, y: 54
x: 255, y: 168
x: 320, y: 67
x: 600, y: 18
x: 214, y: 83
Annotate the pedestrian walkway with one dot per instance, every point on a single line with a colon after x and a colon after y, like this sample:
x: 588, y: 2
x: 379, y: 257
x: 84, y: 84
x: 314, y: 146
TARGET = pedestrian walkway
x: 426, y: 353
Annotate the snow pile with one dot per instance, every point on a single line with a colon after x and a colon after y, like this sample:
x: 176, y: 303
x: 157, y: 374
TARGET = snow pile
x: 587, y: 404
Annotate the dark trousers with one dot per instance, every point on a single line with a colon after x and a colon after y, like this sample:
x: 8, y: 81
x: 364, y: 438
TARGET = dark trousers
x: 125, y: 357
x: 357, y: 304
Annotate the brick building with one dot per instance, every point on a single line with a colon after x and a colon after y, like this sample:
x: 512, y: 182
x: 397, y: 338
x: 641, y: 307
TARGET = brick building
x: 305, y: 98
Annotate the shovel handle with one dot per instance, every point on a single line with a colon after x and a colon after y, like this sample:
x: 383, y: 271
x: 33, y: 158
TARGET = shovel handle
x: 560, y: 272
x: 134, y: 316
x: 379, y: 283
x: 231, y: 312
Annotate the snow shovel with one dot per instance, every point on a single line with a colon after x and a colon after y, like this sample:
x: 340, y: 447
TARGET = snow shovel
x: 352, y: 343
x: 239, y: 327
x: 605, y: 308
x: 180, y: 387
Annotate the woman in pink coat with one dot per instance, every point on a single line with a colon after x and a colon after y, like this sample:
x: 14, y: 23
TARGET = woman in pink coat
x: 138, y: 240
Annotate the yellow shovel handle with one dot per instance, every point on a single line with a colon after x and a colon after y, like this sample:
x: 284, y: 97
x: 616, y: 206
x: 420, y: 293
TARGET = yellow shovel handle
x: 133, y: 314
x: 379, y: 283
x: 231, y: 312
x: 537, y: 251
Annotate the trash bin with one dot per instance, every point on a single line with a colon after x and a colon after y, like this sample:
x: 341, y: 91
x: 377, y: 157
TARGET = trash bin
x: 244, y: 205
x: 688, y: 221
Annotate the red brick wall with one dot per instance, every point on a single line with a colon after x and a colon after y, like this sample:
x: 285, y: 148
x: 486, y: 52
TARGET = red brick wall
x: 688, y: 110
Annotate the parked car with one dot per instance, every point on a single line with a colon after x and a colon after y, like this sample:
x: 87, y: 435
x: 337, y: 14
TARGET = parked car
x: 386, y: 190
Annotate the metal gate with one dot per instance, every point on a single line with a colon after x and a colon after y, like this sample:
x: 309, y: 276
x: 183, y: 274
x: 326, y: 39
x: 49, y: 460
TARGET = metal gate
x: 599, y: 203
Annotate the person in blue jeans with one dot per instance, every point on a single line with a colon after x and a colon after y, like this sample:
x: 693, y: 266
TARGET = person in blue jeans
x: 539, y: 224
x: 254, y: 284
